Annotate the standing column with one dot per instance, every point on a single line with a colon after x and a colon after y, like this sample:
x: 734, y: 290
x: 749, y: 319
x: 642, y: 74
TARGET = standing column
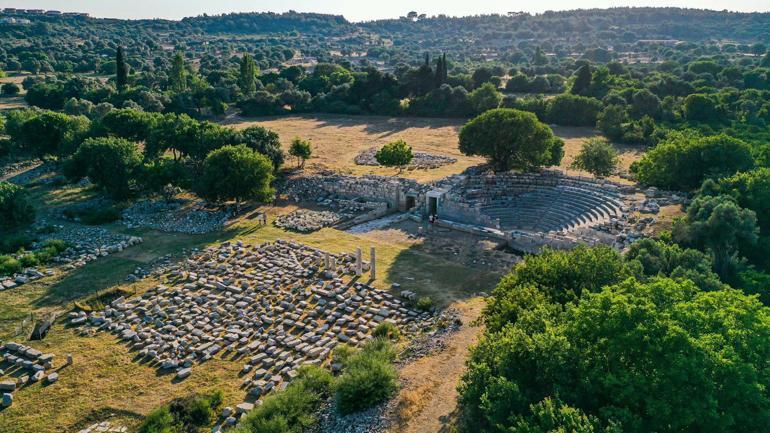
x: 372, y: 265
x: 327, y: 262
x: 359, y: 263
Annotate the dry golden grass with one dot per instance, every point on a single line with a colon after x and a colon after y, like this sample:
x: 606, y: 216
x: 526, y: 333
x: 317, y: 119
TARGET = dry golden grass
x: 337, y: 140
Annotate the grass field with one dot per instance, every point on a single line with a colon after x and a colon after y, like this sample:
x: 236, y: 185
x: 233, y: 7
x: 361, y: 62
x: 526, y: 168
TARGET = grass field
x: 338, y: 139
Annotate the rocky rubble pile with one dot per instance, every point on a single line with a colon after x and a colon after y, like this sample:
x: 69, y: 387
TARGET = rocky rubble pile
x: 25, y: 366
x: 85, y: 244
x: 104, y: 427
x: 420, y: 160
x: 173, y: 217
x: 89, y: 243
x: 25, y: 276
x: 372, y: 420
x: 306, y: 221
x: 278, y: 305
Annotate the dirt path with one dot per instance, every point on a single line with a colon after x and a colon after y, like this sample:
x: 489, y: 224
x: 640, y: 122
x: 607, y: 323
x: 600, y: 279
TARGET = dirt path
x: 428, y: 401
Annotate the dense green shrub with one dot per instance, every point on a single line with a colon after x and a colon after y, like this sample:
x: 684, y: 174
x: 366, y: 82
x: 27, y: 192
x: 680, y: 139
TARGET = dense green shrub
x: 15, y: 208
x: 10, y: 89
x: 43, y: 255
x: 573, y: 110
x: 186, y: 414
x: 301, y: 150
x: 425, y: 303
x: 95, y: 215
x: 387, y: 330
x: 597, y: 156
x: 394, y: 154
x: 12, y: 242
x: 685, y: 159
x: 265, y: 142
x: 9, y: 265
x: 751, y: 190
x: 293, y: 409
x: 47, y: 132
x: 159, y: 172
x: 369, y: 378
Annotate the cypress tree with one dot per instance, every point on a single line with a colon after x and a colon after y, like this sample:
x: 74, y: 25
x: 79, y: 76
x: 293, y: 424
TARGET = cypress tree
x: 121, y: 69
x: 439, y: 72
x: 247, y: 78
x: 445, y: 70
x: 582, y: 80
x: 178, y: 74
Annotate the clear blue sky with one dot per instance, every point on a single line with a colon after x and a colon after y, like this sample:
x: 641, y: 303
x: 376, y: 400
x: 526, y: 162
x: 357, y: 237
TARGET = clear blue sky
x: 354, y: 10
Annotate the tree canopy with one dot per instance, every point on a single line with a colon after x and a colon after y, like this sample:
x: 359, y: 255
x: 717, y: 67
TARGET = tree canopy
x: 394, y: 154
x: 684, y: 160
x: 633, y: 356
x: 109, y: 162
x: 597, y: 156
x: 511, y: 139
x: 235, y: 173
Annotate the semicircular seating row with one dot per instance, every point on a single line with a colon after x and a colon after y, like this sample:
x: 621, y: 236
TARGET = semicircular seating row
x: 519, y: 203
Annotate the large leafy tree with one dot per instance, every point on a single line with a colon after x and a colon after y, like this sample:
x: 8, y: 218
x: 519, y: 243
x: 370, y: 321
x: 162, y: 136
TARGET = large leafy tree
x: 751, y: 190
x: 719, y: 225
x: 655, y: 258
x: 235, y: 173
x: 484, y: 98
x: 171, y: 132
x: 701, y: 108
x: 556, y: 276
x: 573, y: 110
x: 685, y: 159
x: 111, y: 163
x: 48, y: 132
x: 511, y: 139
x: 265, y: 142
x: 657, y: 356
x: 127, y: 123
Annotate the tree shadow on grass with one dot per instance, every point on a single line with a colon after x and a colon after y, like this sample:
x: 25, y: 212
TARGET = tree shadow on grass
x: 379, y: 125
x: 107, y: 272
x: 438, y: 276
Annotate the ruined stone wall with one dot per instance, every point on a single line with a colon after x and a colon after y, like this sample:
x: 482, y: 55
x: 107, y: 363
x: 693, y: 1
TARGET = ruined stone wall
x: 393, y: 191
